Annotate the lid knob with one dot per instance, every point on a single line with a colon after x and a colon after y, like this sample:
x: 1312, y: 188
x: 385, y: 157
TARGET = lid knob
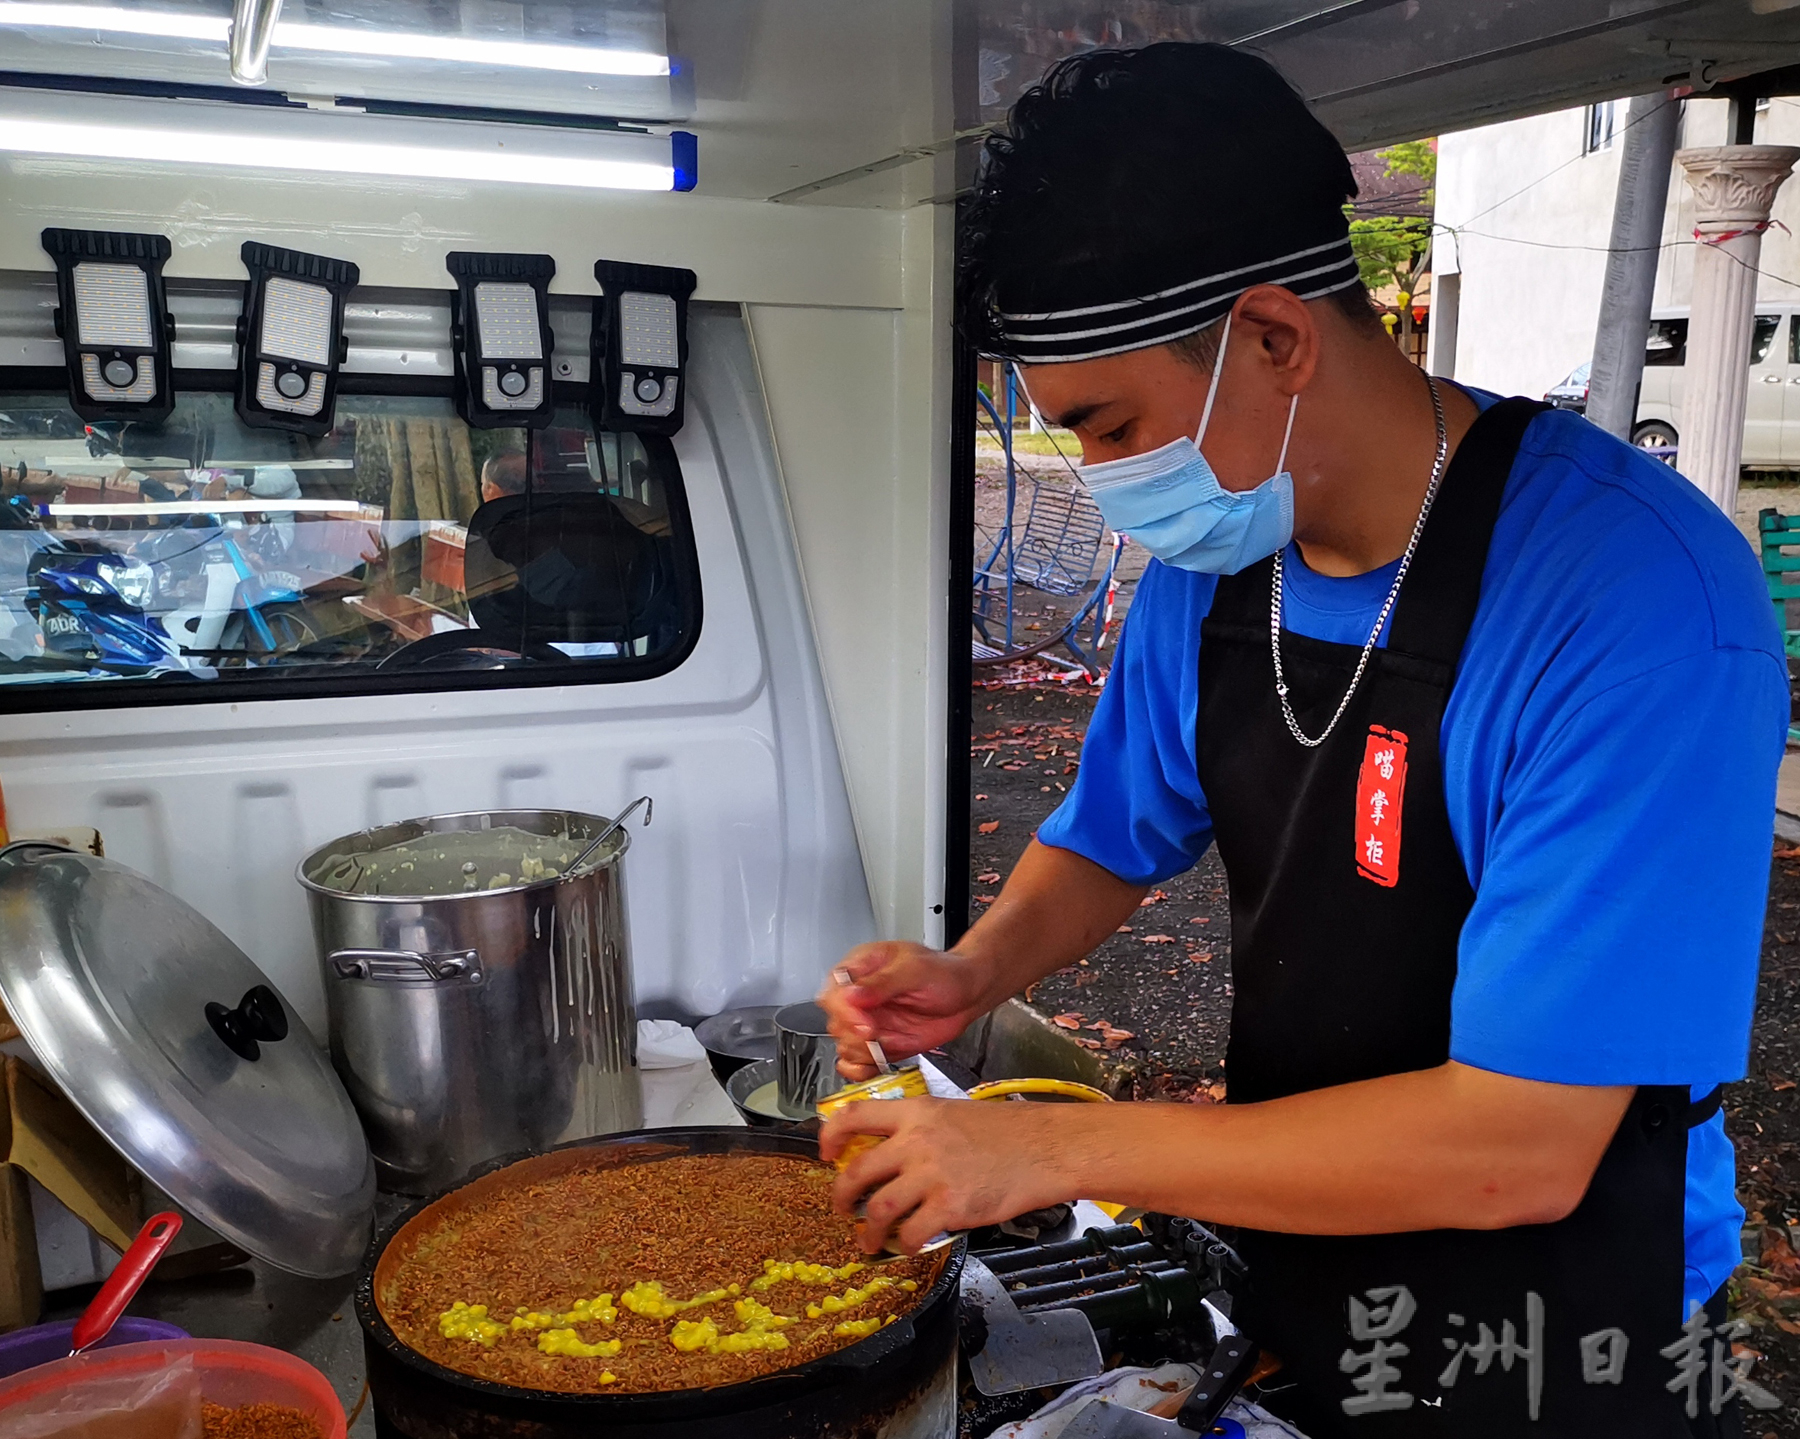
x: 258, y: 1016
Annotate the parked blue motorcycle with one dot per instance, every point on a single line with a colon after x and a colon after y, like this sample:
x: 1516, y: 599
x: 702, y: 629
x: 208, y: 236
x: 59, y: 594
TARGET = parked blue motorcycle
x: 90, y: 602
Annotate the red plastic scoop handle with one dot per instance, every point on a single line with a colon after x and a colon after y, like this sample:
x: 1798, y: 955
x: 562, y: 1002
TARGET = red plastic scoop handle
x: 103, y: 1311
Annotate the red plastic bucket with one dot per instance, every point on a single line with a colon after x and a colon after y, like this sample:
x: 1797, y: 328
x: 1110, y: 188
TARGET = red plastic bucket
x: 230, y: 1373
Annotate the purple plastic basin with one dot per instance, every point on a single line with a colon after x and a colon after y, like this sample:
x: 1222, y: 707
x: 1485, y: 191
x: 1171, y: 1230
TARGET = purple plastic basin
x: 24, y: 1348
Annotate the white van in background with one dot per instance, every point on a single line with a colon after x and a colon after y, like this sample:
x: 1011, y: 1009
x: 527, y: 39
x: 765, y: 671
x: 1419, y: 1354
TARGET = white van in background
x: 1772, y: 407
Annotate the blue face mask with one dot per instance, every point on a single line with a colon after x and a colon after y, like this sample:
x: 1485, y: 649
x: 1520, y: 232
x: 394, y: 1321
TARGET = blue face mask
x: 1170, y: 501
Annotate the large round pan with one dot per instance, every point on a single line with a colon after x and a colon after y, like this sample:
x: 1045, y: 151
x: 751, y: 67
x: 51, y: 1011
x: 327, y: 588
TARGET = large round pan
x: 837, y: 1393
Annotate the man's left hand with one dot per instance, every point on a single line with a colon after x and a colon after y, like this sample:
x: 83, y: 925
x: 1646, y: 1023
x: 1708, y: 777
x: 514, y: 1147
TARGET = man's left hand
x: 943, y: 1164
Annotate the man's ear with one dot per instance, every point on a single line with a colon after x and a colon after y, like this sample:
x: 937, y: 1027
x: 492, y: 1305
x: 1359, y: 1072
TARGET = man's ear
x: 1286, y: 333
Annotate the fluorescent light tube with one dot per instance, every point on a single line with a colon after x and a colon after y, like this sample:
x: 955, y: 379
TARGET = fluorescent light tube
x: 343, y: 39
x: 345, y: 143
x: 467, y: 50
x: 115, y: 20
x: 343, y: 509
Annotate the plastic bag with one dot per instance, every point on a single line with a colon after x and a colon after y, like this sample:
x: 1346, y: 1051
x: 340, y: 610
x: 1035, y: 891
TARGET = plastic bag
x: 162, y: 1404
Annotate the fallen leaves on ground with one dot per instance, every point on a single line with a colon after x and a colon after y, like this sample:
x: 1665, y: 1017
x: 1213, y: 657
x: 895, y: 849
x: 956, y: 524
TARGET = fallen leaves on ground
x: 1110, y: 1036
x: 1779, y: 1084
x: 1071, y: 1020
x: 1157, y: 939
x: 1153, y: 897
x: 1205, y: 957
x: 989, y: 826
x: 991, y: 876
x: 1778, y: 1256
x: 1769, y: 1290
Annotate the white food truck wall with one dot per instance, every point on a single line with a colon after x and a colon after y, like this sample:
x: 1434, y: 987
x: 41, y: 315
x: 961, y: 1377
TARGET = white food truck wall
x: 748, y: 884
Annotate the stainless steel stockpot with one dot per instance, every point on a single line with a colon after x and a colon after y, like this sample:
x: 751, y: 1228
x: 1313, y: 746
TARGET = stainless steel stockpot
x: 480, y: 1023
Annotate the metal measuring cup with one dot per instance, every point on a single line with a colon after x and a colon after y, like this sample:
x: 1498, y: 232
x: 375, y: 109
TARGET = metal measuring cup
x: 805, y: 1060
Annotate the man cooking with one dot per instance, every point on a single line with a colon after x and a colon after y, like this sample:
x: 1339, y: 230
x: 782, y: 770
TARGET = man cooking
x: 1483, y: 710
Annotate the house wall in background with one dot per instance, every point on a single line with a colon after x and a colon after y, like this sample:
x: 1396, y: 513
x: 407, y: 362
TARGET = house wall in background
x: 1525, y: 217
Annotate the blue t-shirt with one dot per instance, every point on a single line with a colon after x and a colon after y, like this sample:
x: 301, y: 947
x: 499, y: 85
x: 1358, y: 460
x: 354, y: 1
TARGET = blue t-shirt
x: 1610, y: 750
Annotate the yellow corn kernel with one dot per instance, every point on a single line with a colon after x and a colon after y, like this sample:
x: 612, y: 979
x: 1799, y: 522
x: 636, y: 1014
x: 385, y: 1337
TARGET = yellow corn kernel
x: 646, y: 1297
x: 689, y: 1335
x: 598, y: 1310
x: 568, y: 1343
x: 837, y: 1304
x: 777, y: 1271
x: 747, y: 1340
x: 471, y: 1322
x: 760, y: 1317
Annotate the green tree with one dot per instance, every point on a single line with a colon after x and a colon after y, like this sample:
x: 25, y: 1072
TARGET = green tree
x: 1396, y: 249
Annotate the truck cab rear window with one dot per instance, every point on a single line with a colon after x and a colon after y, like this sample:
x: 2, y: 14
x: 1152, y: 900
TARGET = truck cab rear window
x: 401, y: 550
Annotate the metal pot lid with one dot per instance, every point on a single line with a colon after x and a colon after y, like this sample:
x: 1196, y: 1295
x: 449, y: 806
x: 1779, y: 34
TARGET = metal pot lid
x: 174, y: 1045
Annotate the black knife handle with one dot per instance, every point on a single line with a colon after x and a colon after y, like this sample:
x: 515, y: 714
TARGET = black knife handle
x: 1225, y: 1373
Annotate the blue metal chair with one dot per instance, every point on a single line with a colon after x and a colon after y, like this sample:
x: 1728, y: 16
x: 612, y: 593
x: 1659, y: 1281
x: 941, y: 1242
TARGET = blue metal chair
x: 1051, y: 548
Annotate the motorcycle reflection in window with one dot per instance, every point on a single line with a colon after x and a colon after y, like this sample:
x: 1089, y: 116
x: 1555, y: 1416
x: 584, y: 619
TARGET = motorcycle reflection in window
x: 89, y: 601
x: 248, y: 613
x: 99, y: 607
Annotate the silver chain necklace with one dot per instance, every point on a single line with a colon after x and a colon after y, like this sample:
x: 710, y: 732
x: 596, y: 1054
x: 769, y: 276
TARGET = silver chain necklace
x: 1281, y: 688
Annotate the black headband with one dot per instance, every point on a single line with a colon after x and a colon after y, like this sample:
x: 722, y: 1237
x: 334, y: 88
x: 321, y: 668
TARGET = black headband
x: 1053, y: 337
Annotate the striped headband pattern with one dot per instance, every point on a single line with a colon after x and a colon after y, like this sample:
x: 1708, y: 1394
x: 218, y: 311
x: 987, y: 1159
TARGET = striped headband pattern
x: 1053, y: 337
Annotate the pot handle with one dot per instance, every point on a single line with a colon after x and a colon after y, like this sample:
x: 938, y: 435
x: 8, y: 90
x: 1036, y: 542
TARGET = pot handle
x: 403, y: 966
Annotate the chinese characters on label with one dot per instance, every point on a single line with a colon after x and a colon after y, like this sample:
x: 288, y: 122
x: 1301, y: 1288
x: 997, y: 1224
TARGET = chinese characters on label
x: 1380, y: 799
x: 1706, y: 1371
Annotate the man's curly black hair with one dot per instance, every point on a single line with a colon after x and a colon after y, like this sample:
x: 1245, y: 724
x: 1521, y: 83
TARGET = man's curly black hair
x: 1127, y: 171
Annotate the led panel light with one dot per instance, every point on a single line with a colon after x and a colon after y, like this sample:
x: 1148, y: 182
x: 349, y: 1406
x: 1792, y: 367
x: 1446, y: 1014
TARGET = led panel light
x: 638, y: 358
x: 500, y: 331
x: 114, y: 321
x: 291, y: 338
x: 342, y: 142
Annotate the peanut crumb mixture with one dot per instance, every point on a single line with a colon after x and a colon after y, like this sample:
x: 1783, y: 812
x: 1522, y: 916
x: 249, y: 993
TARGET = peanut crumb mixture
x: 680, y: 1273
x: 256, y: 1421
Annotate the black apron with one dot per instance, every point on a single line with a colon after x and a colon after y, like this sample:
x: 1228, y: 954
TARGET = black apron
x: 1347, y: 899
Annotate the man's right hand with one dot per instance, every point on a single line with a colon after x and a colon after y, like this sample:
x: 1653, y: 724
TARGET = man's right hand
x: 906, y: 996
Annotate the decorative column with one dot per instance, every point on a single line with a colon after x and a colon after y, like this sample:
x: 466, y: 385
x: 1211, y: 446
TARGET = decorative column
x: 1734, y: 187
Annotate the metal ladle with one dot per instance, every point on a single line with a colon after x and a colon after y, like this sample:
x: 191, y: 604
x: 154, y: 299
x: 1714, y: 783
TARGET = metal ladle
x: 607, y: 833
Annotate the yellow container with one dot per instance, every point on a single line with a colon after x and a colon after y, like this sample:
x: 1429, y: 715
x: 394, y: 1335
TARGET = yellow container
x: 906, y: 1083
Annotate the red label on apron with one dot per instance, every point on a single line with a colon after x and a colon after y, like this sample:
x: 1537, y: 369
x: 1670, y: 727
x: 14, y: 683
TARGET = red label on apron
x: 1380, y: 795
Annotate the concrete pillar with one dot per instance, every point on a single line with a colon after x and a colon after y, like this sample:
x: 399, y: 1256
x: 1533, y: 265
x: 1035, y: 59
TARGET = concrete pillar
x: 1630, y: 289
x: 1440, y: 339
x: 1734, y: 186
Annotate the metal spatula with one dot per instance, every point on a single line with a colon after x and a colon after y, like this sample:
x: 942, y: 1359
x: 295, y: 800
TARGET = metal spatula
x: 1026, y: 1351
